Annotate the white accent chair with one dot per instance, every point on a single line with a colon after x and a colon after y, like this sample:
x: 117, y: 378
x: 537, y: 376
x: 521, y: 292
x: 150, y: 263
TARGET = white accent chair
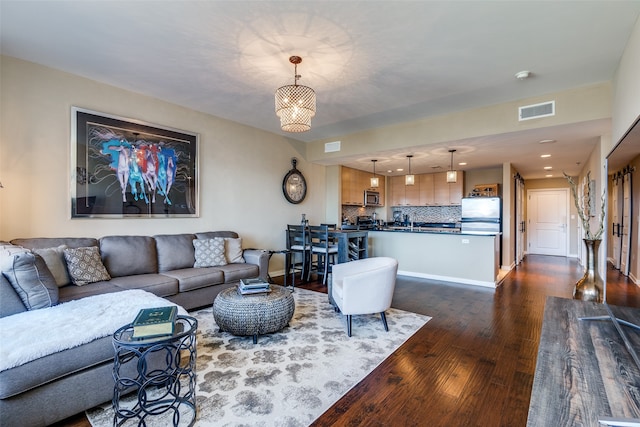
x: 364, y: 286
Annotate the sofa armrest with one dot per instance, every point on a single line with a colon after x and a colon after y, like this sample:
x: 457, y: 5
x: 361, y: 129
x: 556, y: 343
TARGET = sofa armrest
x: 259, y: 257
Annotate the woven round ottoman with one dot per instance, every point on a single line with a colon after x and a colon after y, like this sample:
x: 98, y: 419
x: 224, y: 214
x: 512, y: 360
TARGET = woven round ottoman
x: 256, y: 314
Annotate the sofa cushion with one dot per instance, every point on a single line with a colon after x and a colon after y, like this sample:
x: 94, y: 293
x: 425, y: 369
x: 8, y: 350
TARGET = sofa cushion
x: 31, y: 279
x: 209, y: 252
x: 129, y: 255
x: 48, y: 368
x: 175, y: 251
x: 195, y: 278
x: 85, y: 265
x: 233, y: 250
x: 157, y: 284
x: 57, y: 343
x: 71, y: 292
x: 54, y: 258
x: 237, y: 271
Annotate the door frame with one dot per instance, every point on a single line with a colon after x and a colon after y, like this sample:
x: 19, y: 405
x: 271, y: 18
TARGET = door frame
x: 567, y: 223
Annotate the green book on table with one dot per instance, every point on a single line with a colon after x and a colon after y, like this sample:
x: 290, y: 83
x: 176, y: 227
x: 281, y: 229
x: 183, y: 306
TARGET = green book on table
x: 154, y: 322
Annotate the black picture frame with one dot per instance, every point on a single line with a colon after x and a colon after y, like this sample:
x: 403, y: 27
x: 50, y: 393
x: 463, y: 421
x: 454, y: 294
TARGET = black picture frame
x: 127, y: 168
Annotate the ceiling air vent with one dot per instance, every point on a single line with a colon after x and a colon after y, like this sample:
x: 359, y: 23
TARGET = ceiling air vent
x: 332, y: 147
x: 536, y: 111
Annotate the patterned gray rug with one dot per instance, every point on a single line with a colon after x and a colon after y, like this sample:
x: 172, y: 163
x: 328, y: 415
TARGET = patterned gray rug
x: 291, y: 377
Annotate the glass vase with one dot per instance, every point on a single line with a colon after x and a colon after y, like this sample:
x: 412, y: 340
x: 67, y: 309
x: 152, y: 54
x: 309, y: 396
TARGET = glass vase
x: 590, y: 287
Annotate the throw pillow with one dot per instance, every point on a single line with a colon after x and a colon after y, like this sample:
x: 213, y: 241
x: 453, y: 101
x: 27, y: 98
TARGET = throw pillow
x: 54, y: 258
x: 209, y: 252
x: 31, y: 279
x: 233, y: 250
x: 85, y: 265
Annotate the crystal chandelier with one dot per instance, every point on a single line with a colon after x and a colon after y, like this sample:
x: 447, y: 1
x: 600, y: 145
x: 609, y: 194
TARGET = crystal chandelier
x: 295, y: 104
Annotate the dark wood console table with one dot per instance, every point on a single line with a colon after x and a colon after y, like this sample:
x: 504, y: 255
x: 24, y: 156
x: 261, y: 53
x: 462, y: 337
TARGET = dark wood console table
x: 584, y: 372
x: 352, y: 244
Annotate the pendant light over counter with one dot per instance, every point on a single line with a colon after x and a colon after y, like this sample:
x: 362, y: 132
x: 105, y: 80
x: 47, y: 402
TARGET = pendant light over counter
x: 452, y: 175
x: 375, y: 182
x: 409, y: 179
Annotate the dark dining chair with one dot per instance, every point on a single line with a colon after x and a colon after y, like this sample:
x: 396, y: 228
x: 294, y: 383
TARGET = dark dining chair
x: 324, y: 250
x: 299, y: 254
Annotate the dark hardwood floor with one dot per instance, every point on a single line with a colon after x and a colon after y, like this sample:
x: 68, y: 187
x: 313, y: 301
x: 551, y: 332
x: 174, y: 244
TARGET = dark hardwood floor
x: 473, y: 363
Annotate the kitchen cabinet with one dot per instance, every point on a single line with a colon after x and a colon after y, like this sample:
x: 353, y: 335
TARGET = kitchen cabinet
x: 355, y: 182
x: 448, y: 194
x: 397, y: 191
x: 431, y: 189
x: 427, y: 190
x: 404, y: 195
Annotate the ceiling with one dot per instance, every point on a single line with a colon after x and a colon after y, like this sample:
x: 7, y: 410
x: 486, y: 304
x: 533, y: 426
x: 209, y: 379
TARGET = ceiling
x: 371, y: 63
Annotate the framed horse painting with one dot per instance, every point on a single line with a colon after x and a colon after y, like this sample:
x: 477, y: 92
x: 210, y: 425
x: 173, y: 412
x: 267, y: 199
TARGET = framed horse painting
x: 128, y: 168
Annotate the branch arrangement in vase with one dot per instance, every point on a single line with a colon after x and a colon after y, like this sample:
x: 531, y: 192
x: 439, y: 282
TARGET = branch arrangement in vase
x: 582, y: 205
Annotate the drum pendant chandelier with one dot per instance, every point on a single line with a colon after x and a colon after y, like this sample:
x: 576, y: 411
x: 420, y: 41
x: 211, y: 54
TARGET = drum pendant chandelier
x: 295, y: 104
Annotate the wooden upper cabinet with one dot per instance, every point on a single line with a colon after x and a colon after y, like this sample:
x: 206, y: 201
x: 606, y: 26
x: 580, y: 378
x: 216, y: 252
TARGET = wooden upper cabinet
x: 412, y: 192
x: 456, y: 190
x: 397, y: 190
x: 427, y: 190
x: 355, y: 182
x: 445, y: 193
x: 430, y: 189
x: 440, y: 189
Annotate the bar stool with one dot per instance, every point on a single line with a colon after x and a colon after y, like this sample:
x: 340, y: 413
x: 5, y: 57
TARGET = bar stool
x: 298, y: 246
x: 324, y: 251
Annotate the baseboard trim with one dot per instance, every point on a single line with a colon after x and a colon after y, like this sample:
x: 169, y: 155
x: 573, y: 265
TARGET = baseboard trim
x: 456, y: 280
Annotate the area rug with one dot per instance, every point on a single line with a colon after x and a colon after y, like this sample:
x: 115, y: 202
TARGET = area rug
x: 288, y: 378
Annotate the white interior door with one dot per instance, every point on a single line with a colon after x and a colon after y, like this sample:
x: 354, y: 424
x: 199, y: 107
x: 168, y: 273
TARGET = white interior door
x: 626, y: 225
x: 547, y: 221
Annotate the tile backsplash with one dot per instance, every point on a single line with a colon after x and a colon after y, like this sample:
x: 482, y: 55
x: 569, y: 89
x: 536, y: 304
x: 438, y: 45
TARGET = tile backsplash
x: 416, y: 213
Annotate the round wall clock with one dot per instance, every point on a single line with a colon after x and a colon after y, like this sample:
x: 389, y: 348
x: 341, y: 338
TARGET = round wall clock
x: 294, y: 186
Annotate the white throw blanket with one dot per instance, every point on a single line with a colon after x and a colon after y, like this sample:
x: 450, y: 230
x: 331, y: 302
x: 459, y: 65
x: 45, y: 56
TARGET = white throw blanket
x: 33, y: 334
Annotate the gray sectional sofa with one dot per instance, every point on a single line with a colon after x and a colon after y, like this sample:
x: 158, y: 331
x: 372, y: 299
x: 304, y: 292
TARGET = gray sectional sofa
x: 58, y: 385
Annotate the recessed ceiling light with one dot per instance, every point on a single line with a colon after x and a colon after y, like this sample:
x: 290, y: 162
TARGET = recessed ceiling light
x: 389, y: 171
x: 548, y: 176
x: 462, y: 164
x: 544, y: 156
x: 399, y: 170
x: 546, y: 141
x: 548, y: 168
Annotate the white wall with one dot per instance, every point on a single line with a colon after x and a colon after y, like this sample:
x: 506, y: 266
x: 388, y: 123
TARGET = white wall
x: 626, y: 102
x: 241, y: 168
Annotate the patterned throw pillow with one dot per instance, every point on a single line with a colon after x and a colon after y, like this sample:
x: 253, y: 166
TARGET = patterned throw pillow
x: 85, y: 265
x: 209, y: 252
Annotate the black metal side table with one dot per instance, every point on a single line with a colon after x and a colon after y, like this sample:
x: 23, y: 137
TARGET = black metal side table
x: 162, y: 373
x: 287, y: 260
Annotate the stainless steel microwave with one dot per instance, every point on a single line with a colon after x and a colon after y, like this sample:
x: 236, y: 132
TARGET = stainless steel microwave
x: 371, y: 198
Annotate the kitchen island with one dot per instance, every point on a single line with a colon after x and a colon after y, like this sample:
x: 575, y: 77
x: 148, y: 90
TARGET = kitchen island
x: 449, y: 256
